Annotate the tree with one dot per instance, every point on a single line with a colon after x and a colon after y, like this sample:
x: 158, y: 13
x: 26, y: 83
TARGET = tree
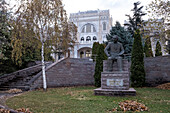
x: 4, y: 29
x: 148, y: 48
x: 94, y: 50
x: 158, y: 49
x: 158, y: 24
x: 125, y: 37
x: 137, y: 62
x: 6, y: 64
x: 135, y: 22
x: 43, y: 20
x: 158, y: 9
x: 99, y: 64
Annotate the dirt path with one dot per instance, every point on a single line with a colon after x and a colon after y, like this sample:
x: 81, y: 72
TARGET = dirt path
x: 3, y: 98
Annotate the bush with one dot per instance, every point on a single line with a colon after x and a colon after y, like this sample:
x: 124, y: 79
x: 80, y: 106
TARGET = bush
x: 158, y: 49
x: 147, y: 48
x: 94, y: 50
x: 99, y: 64
x: 137, y: 62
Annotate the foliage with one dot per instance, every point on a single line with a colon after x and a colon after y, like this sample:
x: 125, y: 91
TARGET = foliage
x: 41, y: 20
x: 45, y: 20
x: 135, y: 22
x: 4, y: 29
x: 158, y: 24
x: 148, y: 48
x: 158, y: 49
x: 124, y: 37
x: 137, y: 62
x: 6, y: 64
x: 159, y: 9
x: 94, y: 50
x: 82, y: 99
x: 99, y: 64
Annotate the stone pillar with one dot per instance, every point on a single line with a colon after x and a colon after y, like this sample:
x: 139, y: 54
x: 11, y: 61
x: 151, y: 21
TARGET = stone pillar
x: 75, y: 51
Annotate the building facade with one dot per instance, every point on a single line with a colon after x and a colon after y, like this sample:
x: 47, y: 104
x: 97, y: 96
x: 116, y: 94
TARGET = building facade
x: 92, y: 26
x: 155, y: 32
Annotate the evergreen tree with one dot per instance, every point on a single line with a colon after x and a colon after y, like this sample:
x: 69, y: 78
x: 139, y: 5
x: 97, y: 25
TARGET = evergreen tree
x: 125, y: 37
x: 99, y: 64
x: 135, y: 22
x: 137, y: 62
x: 94, y: 50
x: 158, y: 49
x: 148, y: 48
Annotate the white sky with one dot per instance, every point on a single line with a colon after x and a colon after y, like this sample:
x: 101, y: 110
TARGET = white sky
x: 118, y: 8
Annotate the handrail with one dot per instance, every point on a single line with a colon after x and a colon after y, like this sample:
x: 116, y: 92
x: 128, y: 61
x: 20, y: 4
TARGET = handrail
x: 10, y: 76
x: 40, y: 73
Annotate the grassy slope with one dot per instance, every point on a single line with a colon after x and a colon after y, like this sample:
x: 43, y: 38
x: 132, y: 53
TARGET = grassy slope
x: 82, y: 100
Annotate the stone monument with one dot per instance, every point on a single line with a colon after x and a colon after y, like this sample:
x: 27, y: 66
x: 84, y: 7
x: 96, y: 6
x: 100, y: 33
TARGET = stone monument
x: 115, y: 76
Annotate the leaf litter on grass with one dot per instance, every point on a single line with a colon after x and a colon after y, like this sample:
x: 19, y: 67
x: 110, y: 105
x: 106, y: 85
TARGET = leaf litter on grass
x: 130, y: 105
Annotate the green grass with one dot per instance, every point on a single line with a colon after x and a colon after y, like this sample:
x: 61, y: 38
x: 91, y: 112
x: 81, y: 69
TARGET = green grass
x: 82, y: 100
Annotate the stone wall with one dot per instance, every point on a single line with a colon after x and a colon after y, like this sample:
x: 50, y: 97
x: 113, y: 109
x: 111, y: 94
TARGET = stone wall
x: 157, y: 70
x: 71, y: 72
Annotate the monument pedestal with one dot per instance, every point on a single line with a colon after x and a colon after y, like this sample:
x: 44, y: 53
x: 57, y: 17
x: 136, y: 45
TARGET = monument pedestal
x: 115, y: 83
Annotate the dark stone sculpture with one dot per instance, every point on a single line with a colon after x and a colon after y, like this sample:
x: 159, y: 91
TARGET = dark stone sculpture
x: 113, y: 50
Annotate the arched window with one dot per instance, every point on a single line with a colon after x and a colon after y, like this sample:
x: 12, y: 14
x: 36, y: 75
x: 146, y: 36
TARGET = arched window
x: 82, y: 38
x: 88, y: 38
x: 81, y: 54
x: 88, y: 54
x: 83, y: 30
x: 104, y: 25
x: 94, y: 38
x: 88, y: 28
x: 94, y: 30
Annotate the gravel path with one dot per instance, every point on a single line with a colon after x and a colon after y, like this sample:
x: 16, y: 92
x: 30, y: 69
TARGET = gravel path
x: 3, y: 97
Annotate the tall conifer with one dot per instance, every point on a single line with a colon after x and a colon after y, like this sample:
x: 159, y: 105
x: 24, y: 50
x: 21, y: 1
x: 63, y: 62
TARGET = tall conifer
x: 137, y: 62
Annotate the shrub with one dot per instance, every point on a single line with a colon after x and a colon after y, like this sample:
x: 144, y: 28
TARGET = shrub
x: 137, y: 62
x: 158, y: 49
x: 147, y: 48
x: 99, y: 64
x: 94, y: 50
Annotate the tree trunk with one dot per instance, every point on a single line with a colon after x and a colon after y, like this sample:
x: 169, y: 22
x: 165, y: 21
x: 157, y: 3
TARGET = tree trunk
x: 43, y: 67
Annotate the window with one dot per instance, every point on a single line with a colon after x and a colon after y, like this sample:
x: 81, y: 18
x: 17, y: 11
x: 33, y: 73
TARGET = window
x: 83, y: 30
x: 82, y: 38
x: 94, y: 30
x: 81, y: 54
x: 88, y: 28
x: 104, y: 25
x: 94, y: 38
x: 88, y: 54
x: 88, y: 38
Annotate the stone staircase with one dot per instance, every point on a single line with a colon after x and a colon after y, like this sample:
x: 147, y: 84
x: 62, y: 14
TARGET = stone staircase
x: 65, y: 72
x: 20, y: 79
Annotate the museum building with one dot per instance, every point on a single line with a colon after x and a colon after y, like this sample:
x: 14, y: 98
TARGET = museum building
x: 92, y: 26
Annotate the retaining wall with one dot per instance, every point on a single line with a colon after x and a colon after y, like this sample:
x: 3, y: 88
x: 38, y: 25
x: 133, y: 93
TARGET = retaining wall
x: 157, y: 70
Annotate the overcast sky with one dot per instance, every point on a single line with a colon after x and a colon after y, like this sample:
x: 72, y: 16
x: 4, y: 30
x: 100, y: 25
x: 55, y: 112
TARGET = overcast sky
x: 118, y: 8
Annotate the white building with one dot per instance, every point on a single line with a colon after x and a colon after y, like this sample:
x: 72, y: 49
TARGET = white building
x: 92, y: 26
x: 155, y: 32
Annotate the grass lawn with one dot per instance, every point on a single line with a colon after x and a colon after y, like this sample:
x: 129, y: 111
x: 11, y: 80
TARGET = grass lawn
x: 82, y: 100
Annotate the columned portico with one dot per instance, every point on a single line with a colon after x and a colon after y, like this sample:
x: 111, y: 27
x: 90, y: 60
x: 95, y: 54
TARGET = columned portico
x: 84, y: 52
